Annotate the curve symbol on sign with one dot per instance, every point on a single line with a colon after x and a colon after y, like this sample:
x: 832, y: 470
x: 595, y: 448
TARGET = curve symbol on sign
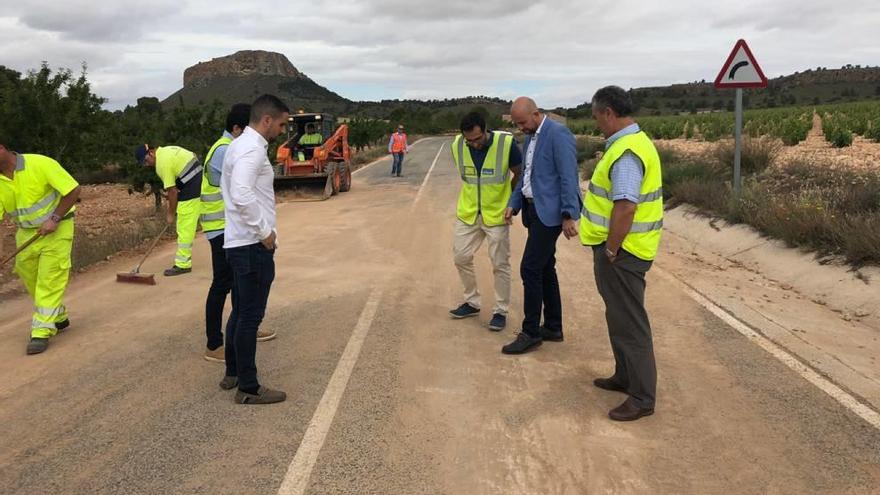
x: 736, y: 67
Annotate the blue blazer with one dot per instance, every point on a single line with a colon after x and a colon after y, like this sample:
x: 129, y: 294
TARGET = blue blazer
x: 555, y: 185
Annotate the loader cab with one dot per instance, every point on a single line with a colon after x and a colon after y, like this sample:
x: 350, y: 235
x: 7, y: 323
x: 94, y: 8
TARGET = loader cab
x: 307, y: 131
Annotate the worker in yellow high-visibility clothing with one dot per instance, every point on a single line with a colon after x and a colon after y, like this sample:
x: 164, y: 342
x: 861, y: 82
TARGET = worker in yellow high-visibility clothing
x: 40, y: 195
x: 181, y: 174
x: 312, y: 137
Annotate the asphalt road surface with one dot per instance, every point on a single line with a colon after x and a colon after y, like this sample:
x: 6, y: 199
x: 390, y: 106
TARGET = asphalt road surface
x: 387, y: 394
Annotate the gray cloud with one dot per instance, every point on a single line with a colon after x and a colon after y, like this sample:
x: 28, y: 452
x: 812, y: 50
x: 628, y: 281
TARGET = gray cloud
x: 559, y: 51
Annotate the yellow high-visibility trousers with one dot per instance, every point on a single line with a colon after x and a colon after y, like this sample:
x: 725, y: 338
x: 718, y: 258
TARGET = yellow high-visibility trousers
x: 44, y: 267
x: 187, y: 222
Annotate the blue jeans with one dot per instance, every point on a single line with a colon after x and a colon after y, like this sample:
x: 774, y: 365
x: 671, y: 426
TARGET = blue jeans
x: 397, y: 164
x: 253, y: 270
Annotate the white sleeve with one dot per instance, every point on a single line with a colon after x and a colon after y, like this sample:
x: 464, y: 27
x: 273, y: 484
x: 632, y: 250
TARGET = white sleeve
x: 243, y: 180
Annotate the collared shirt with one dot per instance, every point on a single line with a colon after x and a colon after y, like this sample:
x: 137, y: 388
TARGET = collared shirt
x: 530, y: 155
x: 628, y: 171
x: 479, y: 156
x: 248, y: 195
x: 215, y: 172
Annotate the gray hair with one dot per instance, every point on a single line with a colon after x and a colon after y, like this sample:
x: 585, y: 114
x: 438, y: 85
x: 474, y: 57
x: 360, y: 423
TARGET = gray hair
x: 615, y: 98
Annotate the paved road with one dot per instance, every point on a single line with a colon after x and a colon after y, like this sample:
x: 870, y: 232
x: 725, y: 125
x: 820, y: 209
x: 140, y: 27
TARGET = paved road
x: 123, y: 403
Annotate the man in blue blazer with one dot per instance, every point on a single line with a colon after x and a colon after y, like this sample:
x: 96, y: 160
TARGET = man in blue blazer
x: 548, y: 194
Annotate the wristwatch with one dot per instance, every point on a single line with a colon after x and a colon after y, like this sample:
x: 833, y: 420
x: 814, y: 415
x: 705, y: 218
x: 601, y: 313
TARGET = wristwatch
x: 55, y: 217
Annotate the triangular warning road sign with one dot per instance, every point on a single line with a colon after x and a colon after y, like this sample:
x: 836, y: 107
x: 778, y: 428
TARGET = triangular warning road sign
x: 741, y: 69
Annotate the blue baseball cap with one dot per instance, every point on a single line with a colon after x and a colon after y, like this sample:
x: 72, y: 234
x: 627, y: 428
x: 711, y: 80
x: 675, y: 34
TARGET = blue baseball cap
x: 140, y: 152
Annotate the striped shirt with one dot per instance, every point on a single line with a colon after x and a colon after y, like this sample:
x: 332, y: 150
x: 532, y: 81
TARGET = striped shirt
x: 628, y: 171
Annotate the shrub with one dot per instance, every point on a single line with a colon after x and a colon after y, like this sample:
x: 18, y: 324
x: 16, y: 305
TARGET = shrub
x: 757, y: 155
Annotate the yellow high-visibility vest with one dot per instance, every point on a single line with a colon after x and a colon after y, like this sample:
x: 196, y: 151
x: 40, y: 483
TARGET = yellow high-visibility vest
x: 643, y: 238
x: 485, y: 192
x: 212, y: 215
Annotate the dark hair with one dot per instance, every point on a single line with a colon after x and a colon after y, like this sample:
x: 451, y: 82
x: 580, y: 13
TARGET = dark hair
x: 238, y: 115
x: 471, y: 120
x: 269, y: 105
x: 615, y: 98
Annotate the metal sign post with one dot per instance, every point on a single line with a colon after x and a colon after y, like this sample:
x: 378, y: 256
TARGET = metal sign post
x: 737, y: 154
x: 740, y: 71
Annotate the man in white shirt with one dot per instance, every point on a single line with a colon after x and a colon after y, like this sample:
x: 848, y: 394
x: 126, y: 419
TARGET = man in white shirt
x: 249, y: 207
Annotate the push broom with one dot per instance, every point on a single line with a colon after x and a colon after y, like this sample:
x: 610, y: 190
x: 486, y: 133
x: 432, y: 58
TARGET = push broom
x: 135, y: 276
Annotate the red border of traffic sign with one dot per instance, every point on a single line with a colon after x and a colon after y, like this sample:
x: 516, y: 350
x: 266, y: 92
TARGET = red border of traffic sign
x: 726, y: 67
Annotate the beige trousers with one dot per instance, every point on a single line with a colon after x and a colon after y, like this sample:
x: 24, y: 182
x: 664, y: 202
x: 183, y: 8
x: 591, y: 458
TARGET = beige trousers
x: 468, y: 239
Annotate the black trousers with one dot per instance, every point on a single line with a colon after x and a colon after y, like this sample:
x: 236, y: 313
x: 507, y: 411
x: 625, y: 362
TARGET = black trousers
x: 622, y: 286
x: 221, y: 285
x: 538, y: 272
x: 253, y: 269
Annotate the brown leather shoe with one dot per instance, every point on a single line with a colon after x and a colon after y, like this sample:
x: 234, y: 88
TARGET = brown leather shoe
x: 609, y: 384
x: 629, y: 412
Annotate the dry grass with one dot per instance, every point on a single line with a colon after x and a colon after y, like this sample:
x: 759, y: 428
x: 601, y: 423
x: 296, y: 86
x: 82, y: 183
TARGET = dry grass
x: 828, y: 209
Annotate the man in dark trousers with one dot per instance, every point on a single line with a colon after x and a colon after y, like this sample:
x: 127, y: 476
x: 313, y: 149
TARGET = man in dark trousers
x: 549, y: 196
x: 249, y: 240
x: 622, y: 221
x: 213, y: 220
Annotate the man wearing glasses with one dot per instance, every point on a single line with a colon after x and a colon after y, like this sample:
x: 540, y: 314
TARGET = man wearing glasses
x: 489, y: 167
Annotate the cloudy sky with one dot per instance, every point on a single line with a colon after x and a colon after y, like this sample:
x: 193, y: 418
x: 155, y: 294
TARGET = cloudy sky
x: 557, y: 51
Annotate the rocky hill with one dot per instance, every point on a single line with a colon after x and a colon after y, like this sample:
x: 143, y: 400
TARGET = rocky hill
x: 244, y: 75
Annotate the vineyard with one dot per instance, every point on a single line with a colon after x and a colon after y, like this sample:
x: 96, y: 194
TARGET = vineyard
x: 839, y: 124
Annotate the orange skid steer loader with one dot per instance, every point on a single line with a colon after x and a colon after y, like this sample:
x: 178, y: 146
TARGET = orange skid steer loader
x: 315, y: 155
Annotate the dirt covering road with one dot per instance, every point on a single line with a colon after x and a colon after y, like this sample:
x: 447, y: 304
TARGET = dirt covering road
x: 122, y: 402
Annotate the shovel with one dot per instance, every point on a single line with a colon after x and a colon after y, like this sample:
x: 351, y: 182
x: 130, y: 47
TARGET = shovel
x: 20, y: 249
x: 135, y: 276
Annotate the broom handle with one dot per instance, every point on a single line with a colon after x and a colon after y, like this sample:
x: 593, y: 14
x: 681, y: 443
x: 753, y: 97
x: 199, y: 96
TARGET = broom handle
x: 22, y: 248
x: 155, y: 241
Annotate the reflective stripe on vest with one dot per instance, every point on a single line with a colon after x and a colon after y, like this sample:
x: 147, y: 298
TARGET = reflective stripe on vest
x: 212, y: 216
x: 191, y: 169
x: 208, y: 217
x: 643, y: 238
x: 604, y: 193
x: 37, y: 206
x: 486, y: 192
x: 35, y: 215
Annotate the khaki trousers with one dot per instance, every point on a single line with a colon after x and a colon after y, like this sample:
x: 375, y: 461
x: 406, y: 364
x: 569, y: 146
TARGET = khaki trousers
x: 468, y: 239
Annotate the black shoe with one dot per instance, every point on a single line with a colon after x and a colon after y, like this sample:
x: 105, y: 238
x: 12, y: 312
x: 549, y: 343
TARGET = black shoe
x: 37, y: 345
x: 176, y: 270
x: 498, y: 322
x: 523, y: 343
x: 628, y: 411
x: 61, y: 325
x: 464, y: 311
x: 550, y: 336
x: 609, y: 384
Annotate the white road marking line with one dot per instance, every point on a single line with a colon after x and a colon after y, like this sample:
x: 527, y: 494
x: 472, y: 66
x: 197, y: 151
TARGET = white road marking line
x: 297, y: 478
x: 844, y: 398
x: 386, y: 157
x: 427, y: 176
